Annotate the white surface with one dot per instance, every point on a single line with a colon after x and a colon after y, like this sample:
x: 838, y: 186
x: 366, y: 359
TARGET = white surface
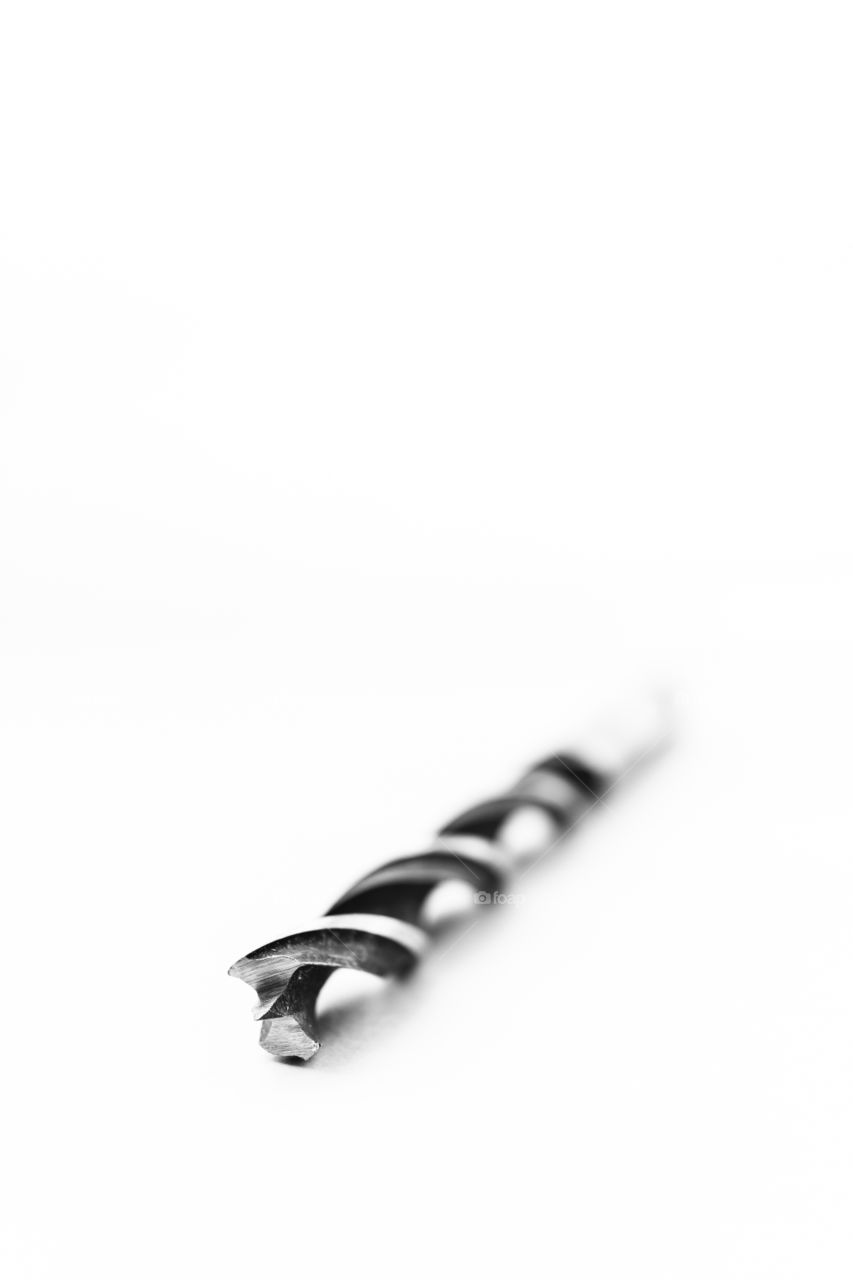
x: 384, y: 387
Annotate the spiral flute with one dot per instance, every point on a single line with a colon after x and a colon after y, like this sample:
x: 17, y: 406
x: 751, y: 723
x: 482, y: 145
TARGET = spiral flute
x: 376, y: 926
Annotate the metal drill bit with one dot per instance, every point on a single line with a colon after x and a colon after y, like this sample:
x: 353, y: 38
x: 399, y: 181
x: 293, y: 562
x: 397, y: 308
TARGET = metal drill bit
x: 376, y: 925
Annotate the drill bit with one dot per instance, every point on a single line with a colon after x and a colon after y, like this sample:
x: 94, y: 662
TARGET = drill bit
x: 376, y: 926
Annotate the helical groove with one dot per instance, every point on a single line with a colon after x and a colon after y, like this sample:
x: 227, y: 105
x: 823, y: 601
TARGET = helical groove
x: 377, y: 925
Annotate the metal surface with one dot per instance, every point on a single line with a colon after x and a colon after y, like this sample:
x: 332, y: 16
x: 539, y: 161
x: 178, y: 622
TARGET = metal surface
x: 376, y: 926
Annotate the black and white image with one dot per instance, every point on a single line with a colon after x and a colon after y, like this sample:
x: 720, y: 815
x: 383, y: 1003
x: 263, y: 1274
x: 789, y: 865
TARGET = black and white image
x: 425, y: 640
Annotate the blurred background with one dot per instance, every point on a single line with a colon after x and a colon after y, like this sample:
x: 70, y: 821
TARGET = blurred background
x: 385, y: 390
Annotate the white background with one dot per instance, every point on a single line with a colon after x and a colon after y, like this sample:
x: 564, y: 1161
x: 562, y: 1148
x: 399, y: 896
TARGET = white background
x: 383, y: 388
